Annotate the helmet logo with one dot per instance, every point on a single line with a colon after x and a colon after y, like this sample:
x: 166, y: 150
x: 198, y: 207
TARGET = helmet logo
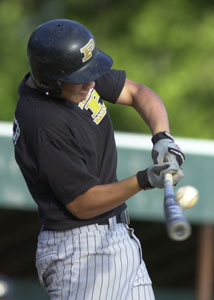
x: 87, y: 50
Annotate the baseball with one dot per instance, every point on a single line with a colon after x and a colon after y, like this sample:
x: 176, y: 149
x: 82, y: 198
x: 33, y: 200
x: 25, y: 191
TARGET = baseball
x: 187, y: 196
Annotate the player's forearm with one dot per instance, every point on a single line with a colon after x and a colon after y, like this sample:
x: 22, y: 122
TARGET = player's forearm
x: 151, y: 108
x: 102, y: 198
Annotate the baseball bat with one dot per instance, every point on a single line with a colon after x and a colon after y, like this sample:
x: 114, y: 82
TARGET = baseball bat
x: 178, y: 227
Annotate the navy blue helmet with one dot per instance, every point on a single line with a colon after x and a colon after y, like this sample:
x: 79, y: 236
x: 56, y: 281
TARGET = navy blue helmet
x: 64, y: 50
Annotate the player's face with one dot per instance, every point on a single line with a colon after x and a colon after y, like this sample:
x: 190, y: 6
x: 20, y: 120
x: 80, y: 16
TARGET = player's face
x: 76, y: 92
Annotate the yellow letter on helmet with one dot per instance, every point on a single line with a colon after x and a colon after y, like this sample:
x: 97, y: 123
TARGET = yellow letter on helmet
x: 87, y: 50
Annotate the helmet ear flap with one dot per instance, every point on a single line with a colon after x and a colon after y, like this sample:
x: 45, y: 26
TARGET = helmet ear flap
x: 52, y: 88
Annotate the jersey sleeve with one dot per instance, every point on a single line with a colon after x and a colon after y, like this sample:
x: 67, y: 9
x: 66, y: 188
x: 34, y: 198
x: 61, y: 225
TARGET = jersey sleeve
x: 110, y: 85
x: 62, y: 166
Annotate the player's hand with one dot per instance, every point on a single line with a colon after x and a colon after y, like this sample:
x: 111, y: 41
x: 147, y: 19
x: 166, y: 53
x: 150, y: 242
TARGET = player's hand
x: 153, y: 177
x: 165, y: 149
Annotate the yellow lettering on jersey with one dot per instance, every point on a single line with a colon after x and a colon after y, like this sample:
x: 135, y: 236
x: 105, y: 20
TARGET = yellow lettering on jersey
x: 81, y: 104
x: 101, y: 114
x: 87, y: 50
x: 93, y: 103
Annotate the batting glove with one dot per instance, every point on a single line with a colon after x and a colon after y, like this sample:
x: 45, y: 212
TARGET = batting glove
x: 165, y: 149
x: 153, y: 177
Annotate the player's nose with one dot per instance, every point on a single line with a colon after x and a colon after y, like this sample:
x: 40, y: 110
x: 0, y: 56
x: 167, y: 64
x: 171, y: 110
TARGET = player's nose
x: 89, y: 85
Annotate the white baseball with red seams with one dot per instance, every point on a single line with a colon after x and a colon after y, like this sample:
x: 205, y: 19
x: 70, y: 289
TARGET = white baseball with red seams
x: 187, y: 196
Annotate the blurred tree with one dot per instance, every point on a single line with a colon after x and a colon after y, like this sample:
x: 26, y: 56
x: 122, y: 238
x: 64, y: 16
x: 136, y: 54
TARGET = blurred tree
x: 11, y: 54
x: 166, y: 45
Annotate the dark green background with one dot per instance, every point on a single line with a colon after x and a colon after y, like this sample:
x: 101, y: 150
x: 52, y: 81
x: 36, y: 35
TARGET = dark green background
x: 167, y: 45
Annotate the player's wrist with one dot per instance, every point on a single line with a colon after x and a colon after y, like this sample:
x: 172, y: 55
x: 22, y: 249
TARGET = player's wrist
x: 160, y: 136
x: 143, y: 181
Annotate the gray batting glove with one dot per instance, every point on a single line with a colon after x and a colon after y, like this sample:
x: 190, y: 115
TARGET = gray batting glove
x: 165, y: 149
x: 153, y: 177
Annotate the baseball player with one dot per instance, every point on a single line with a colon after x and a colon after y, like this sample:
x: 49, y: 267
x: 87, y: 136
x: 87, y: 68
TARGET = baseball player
x: 65, y: 148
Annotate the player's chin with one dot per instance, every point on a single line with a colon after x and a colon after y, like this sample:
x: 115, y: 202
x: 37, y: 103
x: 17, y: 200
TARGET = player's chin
x: 83, y: 95
x: 82, y: 98
x: 77, y: 99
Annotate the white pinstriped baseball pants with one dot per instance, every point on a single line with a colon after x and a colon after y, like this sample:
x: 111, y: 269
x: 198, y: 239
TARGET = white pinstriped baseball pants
x: 95, y: 262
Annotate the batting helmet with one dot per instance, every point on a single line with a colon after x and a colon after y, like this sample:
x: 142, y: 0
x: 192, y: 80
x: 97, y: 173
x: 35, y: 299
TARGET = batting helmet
x: 64, y: 50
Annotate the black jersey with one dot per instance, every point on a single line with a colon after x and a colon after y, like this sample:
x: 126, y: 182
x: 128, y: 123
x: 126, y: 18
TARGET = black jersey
x: 63, y: 148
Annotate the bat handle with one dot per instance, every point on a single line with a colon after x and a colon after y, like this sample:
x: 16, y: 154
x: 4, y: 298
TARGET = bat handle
x: 168, y: 179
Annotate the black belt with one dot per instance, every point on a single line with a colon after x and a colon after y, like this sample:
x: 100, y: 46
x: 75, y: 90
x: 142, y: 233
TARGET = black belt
x: 122, y: 217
